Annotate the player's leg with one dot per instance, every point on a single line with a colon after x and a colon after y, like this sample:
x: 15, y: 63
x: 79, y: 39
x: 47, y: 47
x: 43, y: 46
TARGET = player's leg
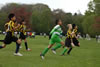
x: 76, y: 42
x: 70, y: 49
x: 26, y: 45
x: 51, y: 43
x: 64, y: 51
x: 18, y: 43
x: 1, y: 40
x: 3, y: 46
x: 46, y: 50
x: 67, y: 46
x: 7, y: 40
x: 58, y: 45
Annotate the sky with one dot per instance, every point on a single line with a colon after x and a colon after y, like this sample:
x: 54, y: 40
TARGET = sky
x: 66, y: 5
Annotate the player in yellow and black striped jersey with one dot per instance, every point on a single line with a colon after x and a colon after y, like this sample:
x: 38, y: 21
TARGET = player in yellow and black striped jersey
x: 68, y: 40
x: 22, y: 30
x: 74, y: 38
x: 5, y: 26
x: 10, y: 28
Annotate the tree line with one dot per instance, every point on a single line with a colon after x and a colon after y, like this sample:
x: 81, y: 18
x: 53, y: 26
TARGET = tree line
x: 41, y: 19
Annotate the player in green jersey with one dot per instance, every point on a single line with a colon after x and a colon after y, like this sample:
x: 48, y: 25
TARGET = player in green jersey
x: 55, y: 38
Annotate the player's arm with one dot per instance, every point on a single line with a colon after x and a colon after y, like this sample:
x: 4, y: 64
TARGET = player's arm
x: 74, y: 33
x: 15, y: 27
x: 71, y: 34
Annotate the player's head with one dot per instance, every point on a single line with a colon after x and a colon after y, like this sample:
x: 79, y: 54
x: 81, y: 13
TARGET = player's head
x: 58, y: 22
x: 23, y: 22
x: 12, y: 17
x: 74, y: 26
x: 69, y: 26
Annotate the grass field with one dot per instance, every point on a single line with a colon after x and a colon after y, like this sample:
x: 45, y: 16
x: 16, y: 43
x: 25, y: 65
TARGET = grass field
x: 88, y: 55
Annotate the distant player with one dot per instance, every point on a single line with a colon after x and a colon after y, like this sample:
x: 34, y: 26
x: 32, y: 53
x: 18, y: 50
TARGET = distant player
x: 55, y: 37
x: 10, y: 35
x: 22, y: 30
x: 74, y: 38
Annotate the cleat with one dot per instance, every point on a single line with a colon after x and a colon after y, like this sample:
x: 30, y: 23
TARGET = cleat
x: 20, y: 47
x: 68, y: 53
x: 42, y: 56
x: 28, y: 49
x: 53, y: 51
x: 62, y: 54
x: 18, y: 54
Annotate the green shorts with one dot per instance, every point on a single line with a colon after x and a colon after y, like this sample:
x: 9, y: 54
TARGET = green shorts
x: 55, y: 39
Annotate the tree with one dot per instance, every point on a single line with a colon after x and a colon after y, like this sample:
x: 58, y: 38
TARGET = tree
x: 41, y: 18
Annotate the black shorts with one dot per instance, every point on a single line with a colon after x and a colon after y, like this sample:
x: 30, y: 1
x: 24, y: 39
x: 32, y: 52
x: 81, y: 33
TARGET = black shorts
x: 22, y: 36
x: 9, y: 38
x: 68, y: 42
x: 75, y: 41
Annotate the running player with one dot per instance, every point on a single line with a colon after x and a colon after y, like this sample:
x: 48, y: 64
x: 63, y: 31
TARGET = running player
x: 10, y: 35
x: 74, y: 38
x: 55, y: 38
x: 22, y: 36
x: 68, y: 42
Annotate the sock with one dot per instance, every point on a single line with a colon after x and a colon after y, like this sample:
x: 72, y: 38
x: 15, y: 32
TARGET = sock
x: 1, y: 47
x: 1, y: 40
x: 65, y: 49
x: 57, y: 46
x: 17, y: 47
x: 69, y: 50
x: 45, y: 51
x: 26, y: 46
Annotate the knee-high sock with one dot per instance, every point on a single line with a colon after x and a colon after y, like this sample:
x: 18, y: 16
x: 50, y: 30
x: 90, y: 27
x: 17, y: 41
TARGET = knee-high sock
x: 17, y: 47
x: 26, y: 46
x: 45, y: 51
x: 57, y: 46
x: 65, y: 49
x: 69, y: 50
x: 1, y: 40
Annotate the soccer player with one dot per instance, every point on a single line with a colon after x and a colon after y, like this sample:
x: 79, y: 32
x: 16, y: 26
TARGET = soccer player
x: 22, y: 36
x: 10, y: 35
x: 55, y: 38
x: 68, y: 41
x: 58, y: 45
x: 74, y: 38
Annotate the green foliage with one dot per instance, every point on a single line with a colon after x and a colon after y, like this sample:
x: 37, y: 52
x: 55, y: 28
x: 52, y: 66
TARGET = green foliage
x: 87, y: 24
x: 92, y: 18
x: 3, y: 18
x: 41, y: 18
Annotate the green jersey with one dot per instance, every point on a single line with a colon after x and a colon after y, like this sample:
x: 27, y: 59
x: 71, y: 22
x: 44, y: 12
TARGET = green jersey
x: 56, y: 30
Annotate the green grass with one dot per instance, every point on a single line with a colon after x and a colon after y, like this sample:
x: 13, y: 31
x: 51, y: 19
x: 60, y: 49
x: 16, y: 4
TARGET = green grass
x: 88, y: 55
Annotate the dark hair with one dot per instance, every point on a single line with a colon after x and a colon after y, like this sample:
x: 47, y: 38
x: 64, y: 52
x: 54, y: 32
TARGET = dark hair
x: 73, y: 25
x: 11, y: 16
x: 57, y: 21
x: 22, y: 21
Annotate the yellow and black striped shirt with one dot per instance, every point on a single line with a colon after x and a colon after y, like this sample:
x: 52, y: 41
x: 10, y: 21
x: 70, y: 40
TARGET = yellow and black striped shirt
x: 22, y: 29
x: 6, y: 26
x: 10, y: 27
x: 69, y: 34
x: 75, y: 33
